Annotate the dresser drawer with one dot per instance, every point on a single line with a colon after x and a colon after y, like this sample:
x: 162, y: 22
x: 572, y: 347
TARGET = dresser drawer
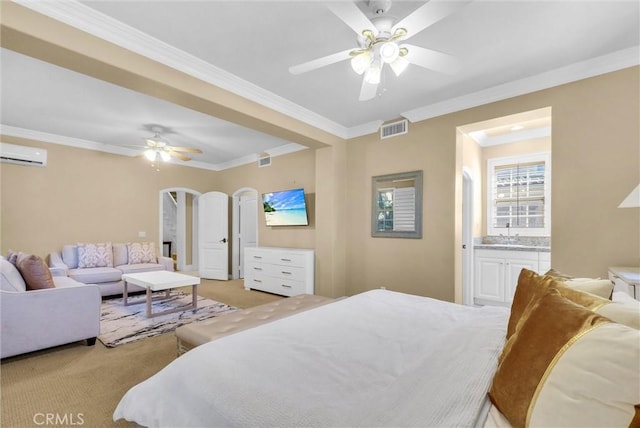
x: 258, y: 257
x: 287, y: 272
x: 288, y: 259
x: 255, y: 268
x: 287, y: 287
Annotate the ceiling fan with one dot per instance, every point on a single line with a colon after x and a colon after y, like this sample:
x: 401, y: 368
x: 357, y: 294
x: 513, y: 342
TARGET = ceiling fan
x: 157, y: 149
x: 381, y: 42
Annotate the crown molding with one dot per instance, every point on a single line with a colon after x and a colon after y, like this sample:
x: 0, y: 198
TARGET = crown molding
x: 91, y: 21
x: 560, y: 76
x: 46, y: 137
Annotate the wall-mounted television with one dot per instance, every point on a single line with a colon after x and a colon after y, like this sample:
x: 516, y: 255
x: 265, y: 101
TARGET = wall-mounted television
x: 285, y: 208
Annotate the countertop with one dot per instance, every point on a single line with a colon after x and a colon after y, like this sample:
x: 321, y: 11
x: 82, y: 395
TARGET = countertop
x: 512, y: 247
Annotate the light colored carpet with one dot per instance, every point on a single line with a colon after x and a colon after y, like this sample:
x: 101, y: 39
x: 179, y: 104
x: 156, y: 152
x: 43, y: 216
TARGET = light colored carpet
x: 76, y: 379
x: 121, y: 324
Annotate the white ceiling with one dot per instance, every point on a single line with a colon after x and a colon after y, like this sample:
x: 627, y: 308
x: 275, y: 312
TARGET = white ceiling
x: 505, y: 48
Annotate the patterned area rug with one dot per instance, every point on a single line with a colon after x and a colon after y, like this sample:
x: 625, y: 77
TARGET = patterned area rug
x: 121, y: 324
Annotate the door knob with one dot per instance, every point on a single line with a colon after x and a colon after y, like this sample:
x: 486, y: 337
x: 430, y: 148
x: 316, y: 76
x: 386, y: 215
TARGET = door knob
x: 223, y: 240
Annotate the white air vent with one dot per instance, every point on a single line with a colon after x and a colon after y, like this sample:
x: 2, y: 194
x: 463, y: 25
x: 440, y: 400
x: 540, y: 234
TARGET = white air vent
x: 23, y: 155
x: 392, y: 129
x: 264, y: 161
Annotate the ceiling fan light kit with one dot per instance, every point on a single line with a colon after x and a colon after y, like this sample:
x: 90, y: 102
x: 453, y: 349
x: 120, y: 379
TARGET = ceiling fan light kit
x: 378, y: 40
x: 157, y: 149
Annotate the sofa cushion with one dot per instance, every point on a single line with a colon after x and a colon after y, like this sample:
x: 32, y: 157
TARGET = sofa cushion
x: 95, y: 275
x: 141, y: 252
x: 95, y: 255
x: 120, y: 254
x: 10, y: 278
x: 140, y: 267
x: 35, y: 272
x: 70, y: 256
x: 65, y: 282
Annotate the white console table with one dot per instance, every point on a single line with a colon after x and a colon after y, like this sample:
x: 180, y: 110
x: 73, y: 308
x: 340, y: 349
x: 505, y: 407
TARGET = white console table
x: 284, y: 271
x: 626, y: 279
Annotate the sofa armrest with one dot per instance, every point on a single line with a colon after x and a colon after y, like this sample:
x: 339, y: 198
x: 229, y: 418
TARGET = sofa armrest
x: 57, y: 265
x: 167, y: 262
x: 38, y: 319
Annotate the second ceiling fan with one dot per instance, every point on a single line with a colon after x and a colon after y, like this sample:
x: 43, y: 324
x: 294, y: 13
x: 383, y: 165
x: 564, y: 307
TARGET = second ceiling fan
x: 381, y: 41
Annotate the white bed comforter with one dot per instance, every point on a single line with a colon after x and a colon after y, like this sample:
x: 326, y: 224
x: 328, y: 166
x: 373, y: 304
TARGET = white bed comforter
x: 379, y: 358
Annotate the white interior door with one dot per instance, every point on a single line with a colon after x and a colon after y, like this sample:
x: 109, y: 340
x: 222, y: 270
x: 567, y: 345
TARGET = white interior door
x: 213, y: 230
x: 248, y: 225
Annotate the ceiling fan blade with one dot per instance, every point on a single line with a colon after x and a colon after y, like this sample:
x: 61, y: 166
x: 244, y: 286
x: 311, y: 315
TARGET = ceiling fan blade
x: 320, y: 62
x: 349, y: 13
x: 179, y: 156
x: 368, y: 91
x: 184, y: 149
x: 429, y: 14
x: 433, y: 60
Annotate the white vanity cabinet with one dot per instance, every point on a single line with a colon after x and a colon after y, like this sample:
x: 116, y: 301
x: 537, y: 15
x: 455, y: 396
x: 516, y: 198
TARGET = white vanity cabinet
x: 496, y: 273
x: 284, y: 271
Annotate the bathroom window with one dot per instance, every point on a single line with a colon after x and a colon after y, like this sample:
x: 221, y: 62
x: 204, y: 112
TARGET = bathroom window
x: 519, y: 195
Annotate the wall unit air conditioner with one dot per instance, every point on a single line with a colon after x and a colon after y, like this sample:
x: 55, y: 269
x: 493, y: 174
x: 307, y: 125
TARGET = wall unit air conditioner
x: 22, y: 155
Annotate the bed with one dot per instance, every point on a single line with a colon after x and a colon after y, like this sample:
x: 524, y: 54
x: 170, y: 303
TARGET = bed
x: 379, y: 358
x: 383, y: 358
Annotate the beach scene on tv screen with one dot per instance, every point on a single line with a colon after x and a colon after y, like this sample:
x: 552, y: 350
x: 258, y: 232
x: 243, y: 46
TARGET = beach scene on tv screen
x: 286, y: 208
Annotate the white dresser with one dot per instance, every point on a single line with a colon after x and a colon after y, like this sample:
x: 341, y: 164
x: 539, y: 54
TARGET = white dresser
x: 285, y: 271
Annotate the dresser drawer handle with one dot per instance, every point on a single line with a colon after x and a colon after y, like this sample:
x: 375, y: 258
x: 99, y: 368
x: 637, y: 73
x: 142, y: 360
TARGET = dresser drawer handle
x: 257, y: 268
x: 286, y: 286
x: 285, y: 260
x: 284, y: 272
x: 257, y: 257
x: 257, y: 280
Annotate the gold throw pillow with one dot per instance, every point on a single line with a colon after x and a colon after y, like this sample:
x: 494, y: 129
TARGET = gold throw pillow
x: 568, y: 366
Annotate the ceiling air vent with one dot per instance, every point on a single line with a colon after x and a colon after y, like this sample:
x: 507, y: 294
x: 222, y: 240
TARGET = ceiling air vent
x: 392, y: 129
x: 264, y: 160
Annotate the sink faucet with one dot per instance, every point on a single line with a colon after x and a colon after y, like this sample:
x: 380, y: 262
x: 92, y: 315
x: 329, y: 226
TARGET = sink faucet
x: 510, y: 239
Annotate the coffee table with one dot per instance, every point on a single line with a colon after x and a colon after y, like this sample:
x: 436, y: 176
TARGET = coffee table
x: 161, y: 280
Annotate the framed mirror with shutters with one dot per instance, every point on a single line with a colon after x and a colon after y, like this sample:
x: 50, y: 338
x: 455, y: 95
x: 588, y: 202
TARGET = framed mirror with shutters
x: 396, y: 210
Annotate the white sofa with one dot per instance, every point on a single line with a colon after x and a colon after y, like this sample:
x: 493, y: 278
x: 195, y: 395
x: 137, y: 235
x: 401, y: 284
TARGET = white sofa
x: 109, y: 279
x: 39, y: 319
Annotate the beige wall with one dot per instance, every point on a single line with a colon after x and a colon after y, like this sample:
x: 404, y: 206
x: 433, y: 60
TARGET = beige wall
x: 595, y: 159
x: 286, y: 172
x: 85, y: 195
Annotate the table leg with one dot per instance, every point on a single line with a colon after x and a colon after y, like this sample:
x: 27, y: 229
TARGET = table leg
x: 125, y: 294
x: 149, y: 299
x: 194, y: 292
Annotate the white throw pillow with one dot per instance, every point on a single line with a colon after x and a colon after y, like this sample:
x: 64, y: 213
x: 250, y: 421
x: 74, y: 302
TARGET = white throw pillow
x: 95, y: 255
x: 141, y: 252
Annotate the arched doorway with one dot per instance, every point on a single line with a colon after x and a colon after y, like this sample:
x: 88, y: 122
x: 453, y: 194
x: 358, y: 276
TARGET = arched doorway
x: 179, y: 226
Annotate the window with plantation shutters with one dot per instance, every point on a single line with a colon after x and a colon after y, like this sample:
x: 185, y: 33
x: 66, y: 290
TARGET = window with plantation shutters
x: 396, y: 209
x: 518, y: 195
